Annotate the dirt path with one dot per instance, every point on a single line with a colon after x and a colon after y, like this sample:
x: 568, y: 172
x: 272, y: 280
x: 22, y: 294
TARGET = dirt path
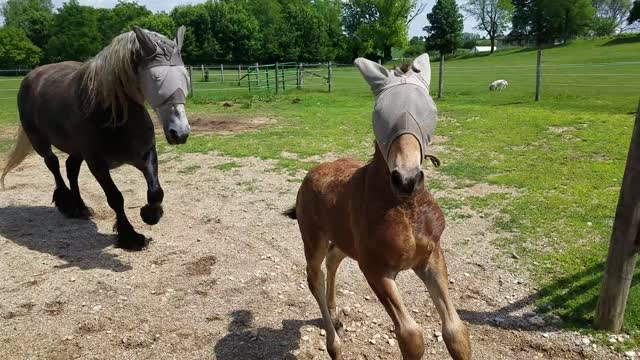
x: 224, y: 278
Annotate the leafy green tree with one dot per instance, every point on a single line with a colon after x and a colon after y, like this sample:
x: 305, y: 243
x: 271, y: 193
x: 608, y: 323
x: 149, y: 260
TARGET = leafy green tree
x: 379, y: 25
x: 444, y: 32
x: 545, y: 21
x: 610, y: 11
x: 634, y: 14
x: 493, y: 16
x: 160, y: 23
x: 417, y: 46
x: 305, y: 38
x: 34, y: 17
x: 470, y: 40
x: 200, y: 46
x: 16, y: 49
x: 236, y: 30
x: 76, y: 35
x: 602, y: 26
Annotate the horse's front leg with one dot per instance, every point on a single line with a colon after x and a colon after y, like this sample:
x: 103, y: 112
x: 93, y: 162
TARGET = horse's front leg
x: 152, y: 212
x: 128, y: 238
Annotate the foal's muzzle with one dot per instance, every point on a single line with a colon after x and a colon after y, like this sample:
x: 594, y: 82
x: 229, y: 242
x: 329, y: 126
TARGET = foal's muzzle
x: 405, y: 183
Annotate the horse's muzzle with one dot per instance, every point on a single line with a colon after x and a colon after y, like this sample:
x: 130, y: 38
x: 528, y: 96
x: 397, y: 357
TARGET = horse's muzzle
x: 175, y: 137
x: 405, y: 183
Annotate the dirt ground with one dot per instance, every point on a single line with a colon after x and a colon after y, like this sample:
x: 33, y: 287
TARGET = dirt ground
x: 224, y: 278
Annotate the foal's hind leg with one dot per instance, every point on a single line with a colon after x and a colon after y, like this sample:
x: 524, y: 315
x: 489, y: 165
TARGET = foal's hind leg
x: 80, y: 210
x: 128, y: 238
x: 315, y: 253
x: 454, y: 331
x: 334, y: 258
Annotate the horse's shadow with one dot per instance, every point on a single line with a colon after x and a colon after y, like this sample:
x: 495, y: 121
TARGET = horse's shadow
x: 241, y: 342
x: 77, y: 242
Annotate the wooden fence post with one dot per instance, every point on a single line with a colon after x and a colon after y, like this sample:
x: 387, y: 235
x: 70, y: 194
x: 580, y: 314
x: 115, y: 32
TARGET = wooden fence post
x: 441, y: 77
x: 222, y: 72
x: 257, y: 74
x: 330, y: 76
x: 239, y: 71
x: 249, y: 78
x: 538, y: 73
x: 266, y: 76
x: 202, y: 71
x: 624, y: 244
x: 284, y: 78
x: 191, y: 80
x: 277, y: 83
x: 298, y: 76
x: 301, y: 76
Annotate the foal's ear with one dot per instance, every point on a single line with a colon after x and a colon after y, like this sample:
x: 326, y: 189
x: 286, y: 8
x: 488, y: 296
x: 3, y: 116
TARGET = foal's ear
x: 422, y: 67
x: 146, y: 44
x: 180, y: 37
x: 375, y: 74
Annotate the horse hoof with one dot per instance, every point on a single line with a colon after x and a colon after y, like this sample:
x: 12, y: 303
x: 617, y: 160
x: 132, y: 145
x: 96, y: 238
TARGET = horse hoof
x: 131, y: 241
x: 151, y: 214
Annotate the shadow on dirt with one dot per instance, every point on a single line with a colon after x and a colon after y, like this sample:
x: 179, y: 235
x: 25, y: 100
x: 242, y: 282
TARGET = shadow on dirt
x: 44, y: 229
x: 572, y: 297
x: 247, y: 342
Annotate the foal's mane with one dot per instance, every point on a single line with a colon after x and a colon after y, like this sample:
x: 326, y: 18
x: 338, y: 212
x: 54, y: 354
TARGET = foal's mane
x: 109, y: 78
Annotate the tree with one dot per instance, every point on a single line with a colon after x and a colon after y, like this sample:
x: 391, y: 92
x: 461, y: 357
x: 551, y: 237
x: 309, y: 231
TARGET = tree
x: 160, y: 23
x: 34, y: 17
x: 417, y: 46
x: 634, y: 14
x: 444, y: 32
x: 493, y: 16
x: 379, y: 25
x: 199, y: 43
x: 76, y: 35
x: 16, y: 49
x: 236, y: 30
x: 545, y: 21
x: 470, y: 40
x: 611, y: 12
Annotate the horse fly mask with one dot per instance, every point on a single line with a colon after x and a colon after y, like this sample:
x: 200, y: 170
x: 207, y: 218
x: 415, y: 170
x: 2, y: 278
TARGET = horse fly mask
x: 403, y: 104
x: 167, y: 79
x: 164, y: 81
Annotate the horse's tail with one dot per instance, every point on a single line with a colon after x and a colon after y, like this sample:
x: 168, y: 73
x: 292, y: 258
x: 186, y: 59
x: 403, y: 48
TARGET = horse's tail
x: 291, y: 213
x: 20, y: 151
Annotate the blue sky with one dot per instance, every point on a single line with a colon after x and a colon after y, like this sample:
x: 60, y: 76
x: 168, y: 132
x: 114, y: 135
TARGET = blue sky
x: 415, y: 28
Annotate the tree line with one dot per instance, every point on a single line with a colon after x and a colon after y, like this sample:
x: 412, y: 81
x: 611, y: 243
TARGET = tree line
x: 247, y: 31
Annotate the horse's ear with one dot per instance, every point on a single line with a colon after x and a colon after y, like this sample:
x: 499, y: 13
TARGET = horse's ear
x: 375, y: 74
x: 180, y: 36
x: 146, y: 44
x: 422, y: 66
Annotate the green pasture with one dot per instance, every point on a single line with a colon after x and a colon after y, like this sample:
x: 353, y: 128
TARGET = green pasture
x: 564, y: 156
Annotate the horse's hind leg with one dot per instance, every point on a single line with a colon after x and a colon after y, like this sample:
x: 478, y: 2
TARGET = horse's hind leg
x: 315, y: 249
x: 454, y: 331
x: 80, y: 210
x: 334, y: 258
x: 128, y: 238
x: 61, y: 195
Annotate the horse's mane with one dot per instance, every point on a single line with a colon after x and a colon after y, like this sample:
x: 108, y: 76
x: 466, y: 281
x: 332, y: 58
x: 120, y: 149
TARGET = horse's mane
x: 109, y: 78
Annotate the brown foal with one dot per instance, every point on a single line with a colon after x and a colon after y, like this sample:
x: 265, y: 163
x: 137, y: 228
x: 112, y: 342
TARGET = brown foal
x: 381, y: 215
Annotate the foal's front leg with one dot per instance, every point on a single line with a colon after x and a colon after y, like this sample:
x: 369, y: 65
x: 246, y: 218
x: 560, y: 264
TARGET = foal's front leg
x: 128, y: 238
x: 454, y: 331
x: 152, y: 212
x: 407, y: 330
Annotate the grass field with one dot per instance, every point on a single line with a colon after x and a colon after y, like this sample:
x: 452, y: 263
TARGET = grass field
x: 564, y: 155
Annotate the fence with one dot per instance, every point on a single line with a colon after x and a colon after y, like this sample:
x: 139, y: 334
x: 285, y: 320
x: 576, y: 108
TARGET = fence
x: 460, y: 78
x: 276, y: 78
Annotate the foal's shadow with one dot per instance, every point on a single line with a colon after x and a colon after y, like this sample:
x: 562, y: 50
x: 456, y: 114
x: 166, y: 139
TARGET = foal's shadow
x: 44, y: 229
x: 241, y: 343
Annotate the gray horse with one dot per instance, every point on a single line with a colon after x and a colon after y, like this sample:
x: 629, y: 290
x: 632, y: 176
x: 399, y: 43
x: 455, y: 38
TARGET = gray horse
x: 94, y: 111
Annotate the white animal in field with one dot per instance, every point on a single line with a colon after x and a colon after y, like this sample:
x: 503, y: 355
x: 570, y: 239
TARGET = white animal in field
x: 498, y: 85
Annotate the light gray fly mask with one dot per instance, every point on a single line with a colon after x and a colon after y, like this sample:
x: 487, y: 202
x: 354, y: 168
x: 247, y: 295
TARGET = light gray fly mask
x: 403, y: 104
x: 164, y: 81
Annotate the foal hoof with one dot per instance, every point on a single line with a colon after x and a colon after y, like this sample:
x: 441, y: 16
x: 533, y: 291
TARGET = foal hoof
x: 151, y: 214
x: 131, y: 241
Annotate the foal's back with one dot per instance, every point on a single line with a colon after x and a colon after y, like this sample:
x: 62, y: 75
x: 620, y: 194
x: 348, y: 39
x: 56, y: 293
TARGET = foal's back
x: 324, y: 201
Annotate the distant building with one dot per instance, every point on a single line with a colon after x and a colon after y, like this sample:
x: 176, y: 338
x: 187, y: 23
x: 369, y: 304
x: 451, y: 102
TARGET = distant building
x: 481, y: 49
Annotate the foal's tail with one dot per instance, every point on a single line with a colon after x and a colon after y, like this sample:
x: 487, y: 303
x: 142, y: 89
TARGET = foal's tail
x: 20, y: 151
x: 291, y: 213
